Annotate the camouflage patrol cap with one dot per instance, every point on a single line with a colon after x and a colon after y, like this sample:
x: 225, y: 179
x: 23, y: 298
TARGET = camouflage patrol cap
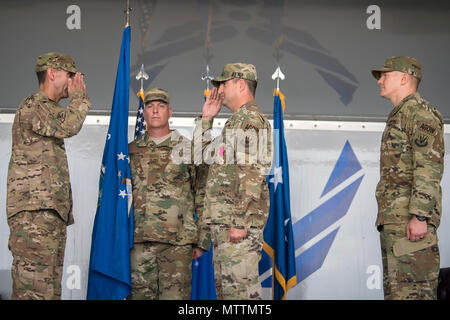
x: 156, y: 94
x: 56, y: 60
x: 400, y: 63
x: 236, y: 70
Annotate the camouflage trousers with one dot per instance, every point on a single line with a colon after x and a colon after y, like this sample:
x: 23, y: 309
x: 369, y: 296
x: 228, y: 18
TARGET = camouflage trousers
x: 236, y: 264
x: 160, y: 271
x: 410, y: 269
x: 37, y: 242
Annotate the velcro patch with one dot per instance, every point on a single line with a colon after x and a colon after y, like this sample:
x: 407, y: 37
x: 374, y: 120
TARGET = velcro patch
x: 421, y: 140
x: 426, y: 128
x: 61, y: 116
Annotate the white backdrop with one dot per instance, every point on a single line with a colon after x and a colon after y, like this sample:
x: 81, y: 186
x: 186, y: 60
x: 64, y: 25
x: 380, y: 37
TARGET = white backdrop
x: 352, y: 266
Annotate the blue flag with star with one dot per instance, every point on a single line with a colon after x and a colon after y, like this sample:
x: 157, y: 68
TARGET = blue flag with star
x: 112, y: 234
x: 202, y: 283
x: 278, y: 248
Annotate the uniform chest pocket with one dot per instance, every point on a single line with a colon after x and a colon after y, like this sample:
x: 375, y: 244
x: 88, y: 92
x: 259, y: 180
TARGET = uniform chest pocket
x: 395, y: 139
x: 29, y: 137
x: 177, y: 174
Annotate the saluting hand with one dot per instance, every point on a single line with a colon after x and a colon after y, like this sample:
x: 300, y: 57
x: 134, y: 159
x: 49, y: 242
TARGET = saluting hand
x: 212, y: 105
x: 77, y: 83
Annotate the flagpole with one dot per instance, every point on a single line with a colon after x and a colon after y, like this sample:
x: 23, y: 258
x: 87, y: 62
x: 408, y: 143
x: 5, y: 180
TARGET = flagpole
x: 127, y: 13
x: 207, y: 77
x: 141, y: 125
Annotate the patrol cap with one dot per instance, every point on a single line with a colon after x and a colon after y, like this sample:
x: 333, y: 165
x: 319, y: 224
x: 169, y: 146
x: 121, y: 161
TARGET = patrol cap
x: 56, y: 60
x: 404, y: 64
x: 156, y: 94
x: 236, y: 70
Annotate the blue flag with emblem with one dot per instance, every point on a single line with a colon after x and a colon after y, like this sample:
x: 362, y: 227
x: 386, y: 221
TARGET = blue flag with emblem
x: 202, y: 283
x: 112, y: 234
x: 278, y: 235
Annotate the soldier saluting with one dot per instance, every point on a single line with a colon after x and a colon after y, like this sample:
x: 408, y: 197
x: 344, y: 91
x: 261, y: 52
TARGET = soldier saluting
x: 237, y: 195
x: 39, y: 200
x: 409, y: 192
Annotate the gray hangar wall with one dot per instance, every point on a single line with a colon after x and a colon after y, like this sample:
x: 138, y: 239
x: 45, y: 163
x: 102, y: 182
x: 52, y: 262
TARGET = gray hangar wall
x: 326, y: 50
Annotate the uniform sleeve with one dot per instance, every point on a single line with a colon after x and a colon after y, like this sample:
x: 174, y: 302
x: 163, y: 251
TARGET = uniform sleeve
x: 250, y: 178
x: 59, y: 122
x: 201, y: 139
x: 427, y: 143
x: 199, y: 188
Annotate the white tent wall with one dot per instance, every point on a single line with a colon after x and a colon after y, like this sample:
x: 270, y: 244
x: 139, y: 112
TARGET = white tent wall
x: 350, y: 268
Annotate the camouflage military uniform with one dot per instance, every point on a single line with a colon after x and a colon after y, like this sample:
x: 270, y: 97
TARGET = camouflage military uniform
x: 39, y: 200
x: 165, y: 201
x: 411, y: 168
x: 237, y: 195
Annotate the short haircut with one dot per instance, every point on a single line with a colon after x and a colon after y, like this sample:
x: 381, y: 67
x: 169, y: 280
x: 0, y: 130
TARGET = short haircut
x: 251, y: 85
x: 41, y: 75
x: 414, y: 81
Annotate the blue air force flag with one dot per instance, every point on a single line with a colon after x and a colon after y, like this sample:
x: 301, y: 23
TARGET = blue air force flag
x: 278, y: 235
x: 112, y: 235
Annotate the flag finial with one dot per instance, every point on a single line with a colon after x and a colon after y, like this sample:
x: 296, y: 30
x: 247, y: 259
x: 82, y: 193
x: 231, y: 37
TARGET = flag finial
x: 142, y: 75
x: 278, y: 75
x: 207, y: 77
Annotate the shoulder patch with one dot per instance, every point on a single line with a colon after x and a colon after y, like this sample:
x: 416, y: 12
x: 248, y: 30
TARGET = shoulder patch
x: 61, y: 116
x: 426, y: 128
x: 421, y: 140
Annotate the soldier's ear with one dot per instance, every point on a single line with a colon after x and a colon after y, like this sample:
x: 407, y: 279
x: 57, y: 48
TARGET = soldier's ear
x: 50, y: 74
x: 404, y: 78
x: 170, y: 111
x: 242, y: 85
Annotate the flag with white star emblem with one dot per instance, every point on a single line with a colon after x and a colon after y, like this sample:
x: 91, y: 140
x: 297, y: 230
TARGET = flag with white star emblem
x: 140, y: 127
x: 278, y: 249
x: 112, y: 234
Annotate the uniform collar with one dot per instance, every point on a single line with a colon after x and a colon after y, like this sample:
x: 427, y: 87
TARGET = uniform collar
x: 145, y: 140
x: 43, y: 97
x: 412, y: 96
x: 243, y: 109
x: 245, y: 106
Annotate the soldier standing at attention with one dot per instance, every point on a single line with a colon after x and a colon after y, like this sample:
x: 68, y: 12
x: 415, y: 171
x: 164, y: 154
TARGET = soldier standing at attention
x: 409, y: 191
x: 39, y: 198
x: 237, y: 196
x: 166, y: 195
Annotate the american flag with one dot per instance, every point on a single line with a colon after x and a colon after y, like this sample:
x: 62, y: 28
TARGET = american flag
x: 141, y: 126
